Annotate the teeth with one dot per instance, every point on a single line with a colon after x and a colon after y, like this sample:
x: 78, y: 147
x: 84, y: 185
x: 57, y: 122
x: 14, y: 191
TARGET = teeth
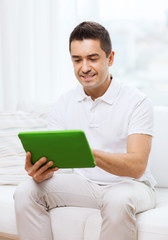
x: 88, y: 76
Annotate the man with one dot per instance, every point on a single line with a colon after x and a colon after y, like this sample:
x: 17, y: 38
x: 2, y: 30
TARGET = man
x: 118, y: 123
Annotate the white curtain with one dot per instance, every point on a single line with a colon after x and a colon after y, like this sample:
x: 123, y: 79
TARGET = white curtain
x: 35, y: 64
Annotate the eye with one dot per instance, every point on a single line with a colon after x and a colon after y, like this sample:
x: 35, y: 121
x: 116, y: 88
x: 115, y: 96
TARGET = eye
x: 77, y: 60
x: 93, y: 59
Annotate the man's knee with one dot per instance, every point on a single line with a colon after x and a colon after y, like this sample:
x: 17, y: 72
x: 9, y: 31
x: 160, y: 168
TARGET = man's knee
x: 24, y: 192
x: 118, y: 207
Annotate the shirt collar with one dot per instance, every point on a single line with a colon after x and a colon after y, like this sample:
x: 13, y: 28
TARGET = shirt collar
x: 109, y: 96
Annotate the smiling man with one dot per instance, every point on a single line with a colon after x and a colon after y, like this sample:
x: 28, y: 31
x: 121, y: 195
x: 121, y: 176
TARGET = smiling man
x: 118, y: 122
x: 91, y: 66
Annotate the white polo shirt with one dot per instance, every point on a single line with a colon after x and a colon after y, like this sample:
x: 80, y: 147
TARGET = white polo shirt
x: 107, y: 122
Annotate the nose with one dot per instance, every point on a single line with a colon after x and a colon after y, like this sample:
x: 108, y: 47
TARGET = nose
x: 85, y: 67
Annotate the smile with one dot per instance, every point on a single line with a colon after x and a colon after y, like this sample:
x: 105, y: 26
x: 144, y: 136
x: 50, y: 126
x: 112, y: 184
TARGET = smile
x: 87, y: 77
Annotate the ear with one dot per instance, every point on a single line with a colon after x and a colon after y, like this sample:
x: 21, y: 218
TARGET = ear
x: 111, y: 58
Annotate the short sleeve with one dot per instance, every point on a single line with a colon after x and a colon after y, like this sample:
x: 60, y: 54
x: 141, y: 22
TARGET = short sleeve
x: 142, y: 118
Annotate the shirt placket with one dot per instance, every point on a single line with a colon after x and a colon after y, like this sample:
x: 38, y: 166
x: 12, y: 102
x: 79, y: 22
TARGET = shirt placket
x: 93, y: 120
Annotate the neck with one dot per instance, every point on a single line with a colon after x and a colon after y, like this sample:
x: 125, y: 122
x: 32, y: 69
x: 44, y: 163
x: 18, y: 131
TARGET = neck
x: 100, y: 90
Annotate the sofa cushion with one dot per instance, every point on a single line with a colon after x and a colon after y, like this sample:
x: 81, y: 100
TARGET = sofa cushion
x: 159, y: 152
x: 85, y: 223
x: 7, y: 216
x: 12, y: 155
x: 153, y: 224
x: 76, y: 221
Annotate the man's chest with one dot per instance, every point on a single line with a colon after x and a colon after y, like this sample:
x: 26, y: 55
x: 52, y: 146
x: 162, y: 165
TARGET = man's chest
x: 105, y: 125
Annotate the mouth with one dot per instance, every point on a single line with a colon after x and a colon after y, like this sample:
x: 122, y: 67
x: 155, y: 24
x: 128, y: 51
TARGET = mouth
x: 88, y: 77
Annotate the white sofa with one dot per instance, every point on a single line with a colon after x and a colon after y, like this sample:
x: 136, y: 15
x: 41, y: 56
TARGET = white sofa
x: 83, y: 223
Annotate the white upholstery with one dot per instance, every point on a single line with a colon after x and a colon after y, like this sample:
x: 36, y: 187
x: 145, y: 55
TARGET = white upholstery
x: 7, y: 212
x: 83, y: 223
x: 159, y: 153
x: 12, y: 154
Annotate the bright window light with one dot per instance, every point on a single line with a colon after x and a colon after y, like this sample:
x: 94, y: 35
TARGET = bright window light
x: 139, y: 33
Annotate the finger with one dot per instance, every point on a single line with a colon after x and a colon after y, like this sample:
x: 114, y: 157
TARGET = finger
x: 44, y: 176
x: 49, y: 175
x: 38, y: 165
x: 51, y: 171
x: 55, y: 169
x: 46, y: 167
x: 28, y: 163
x: 44, y: 173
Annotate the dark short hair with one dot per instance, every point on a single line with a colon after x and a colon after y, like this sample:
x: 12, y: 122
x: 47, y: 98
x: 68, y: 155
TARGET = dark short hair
x: 92, y: 30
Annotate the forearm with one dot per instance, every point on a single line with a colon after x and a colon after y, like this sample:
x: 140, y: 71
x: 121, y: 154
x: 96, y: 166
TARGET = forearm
x: 120, y: 164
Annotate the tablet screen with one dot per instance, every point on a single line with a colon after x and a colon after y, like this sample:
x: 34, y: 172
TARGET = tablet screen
x: 67, y: 149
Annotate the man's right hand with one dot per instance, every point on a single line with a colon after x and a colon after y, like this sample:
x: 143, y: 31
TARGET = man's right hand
x: 38, y: 172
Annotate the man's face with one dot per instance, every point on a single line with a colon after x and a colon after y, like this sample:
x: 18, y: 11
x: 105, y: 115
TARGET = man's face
x: 91, y: 66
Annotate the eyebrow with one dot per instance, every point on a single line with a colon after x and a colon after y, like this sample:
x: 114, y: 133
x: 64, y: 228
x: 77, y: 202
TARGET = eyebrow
x: 90, y: 55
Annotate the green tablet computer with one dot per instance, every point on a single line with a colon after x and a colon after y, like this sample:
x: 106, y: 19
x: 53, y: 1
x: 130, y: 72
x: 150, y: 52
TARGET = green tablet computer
x: 67, y: 149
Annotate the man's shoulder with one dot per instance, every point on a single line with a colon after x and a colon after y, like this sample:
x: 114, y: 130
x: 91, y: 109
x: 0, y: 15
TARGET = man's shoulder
x: 130, y: 97
x: 71, y: 94
x: 132, y: 93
